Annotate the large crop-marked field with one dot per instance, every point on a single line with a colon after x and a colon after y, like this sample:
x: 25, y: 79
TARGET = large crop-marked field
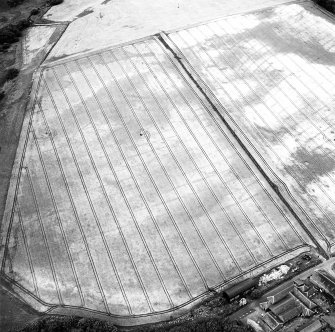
x: 274, y: 73
x: 131, y: 197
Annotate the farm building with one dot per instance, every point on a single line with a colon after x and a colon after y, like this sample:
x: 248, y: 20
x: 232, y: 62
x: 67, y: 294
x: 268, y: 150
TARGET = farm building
x: 303, y: 298
x: 324, y: 281
x: 271, y: 322
x: 285, y: 304
x: 330, y: 320
x: 240, y: 288
x: 306, y: 311
x: 290, y: 314
x: 299, y: 282
x: 315, y: 326
x: 289, y: 301
x: 276, y: 297
x: 264, y: 303
x: 310, y: 292
x: 301, y: 285
x: 305, y: 286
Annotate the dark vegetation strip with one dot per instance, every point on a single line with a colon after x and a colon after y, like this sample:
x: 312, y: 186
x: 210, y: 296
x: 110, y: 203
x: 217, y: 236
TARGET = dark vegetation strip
x: 77, y: 324
x: 327, y: 4
x: 11, y: 33
x: 14, y: 3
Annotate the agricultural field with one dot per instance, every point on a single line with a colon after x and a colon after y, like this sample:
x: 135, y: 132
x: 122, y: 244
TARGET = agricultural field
x: 155, y: 168
x: 130, y: 197
x: 271, y: 75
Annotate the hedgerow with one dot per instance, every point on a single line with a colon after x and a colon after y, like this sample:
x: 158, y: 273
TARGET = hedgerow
x: 14, y: 3
x: 55, y: 2
x: 10, y: 34
x: 12, y: 73
x: 67, y: 324
x: 327, y: 4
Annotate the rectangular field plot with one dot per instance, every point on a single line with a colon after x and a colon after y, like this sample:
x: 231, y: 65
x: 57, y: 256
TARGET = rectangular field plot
x: 273, y: 72
x: 132, y: 197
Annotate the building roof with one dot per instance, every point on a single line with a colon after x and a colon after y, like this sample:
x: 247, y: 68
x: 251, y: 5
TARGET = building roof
x: 272, y: 321
x: 283, y: 305
x: 276, y: 297
x: 264, y: 326
x: 303, y: 288
x: 299, y: 282
x: 264, y: 304
x: 328, y: 281
x: 315, y: 326
x: 240, y: 288
x: 310, y: 291
x: 325, y: 281
x: 306, y: 312
x: 290, y: 314
x: 303, y: 298
x: 330, y: 320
